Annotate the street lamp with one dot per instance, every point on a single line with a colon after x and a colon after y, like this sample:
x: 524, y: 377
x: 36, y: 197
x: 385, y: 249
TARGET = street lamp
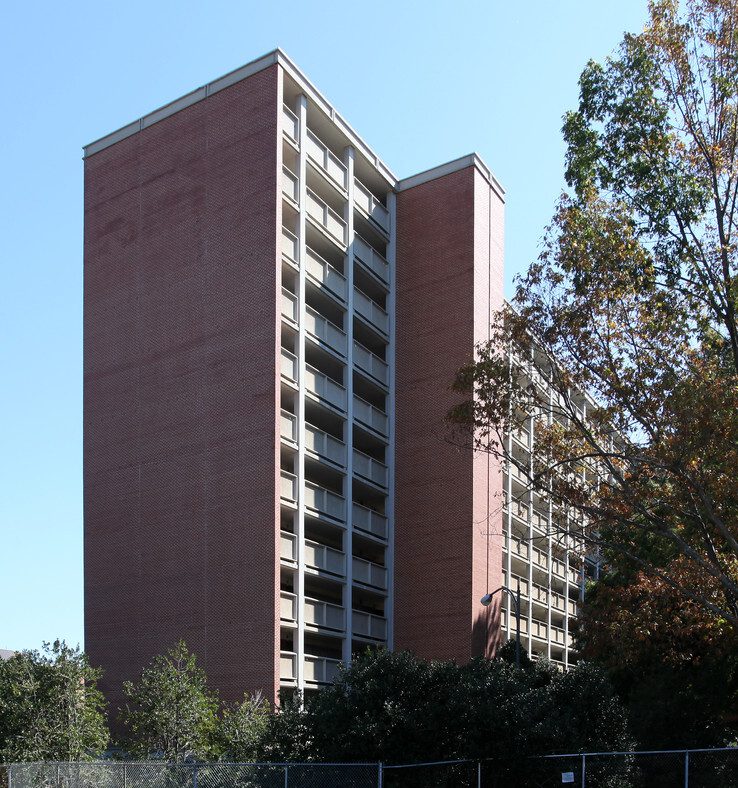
x: 486, y: 601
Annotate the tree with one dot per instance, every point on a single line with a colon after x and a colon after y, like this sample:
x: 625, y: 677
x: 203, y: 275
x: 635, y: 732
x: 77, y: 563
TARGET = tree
x: 50, y: 707
x: 242, y: 729
x: 674, y: 664
x: 634, y: 296
x: 170, y: 713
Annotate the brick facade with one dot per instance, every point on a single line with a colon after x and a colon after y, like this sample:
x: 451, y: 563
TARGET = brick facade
x: 449, y: 277
x: 181, y: 387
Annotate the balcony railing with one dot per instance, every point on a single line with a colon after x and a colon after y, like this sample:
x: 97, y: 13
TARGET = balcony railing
x: 324, y: 614
x: 287, y: 666
x: 290, y: 124
x: 325, y: 274
x: 326, y: 217
x: 371, y: 311
x: 287, y: 546
x: 325, y: 502
x: 325, y: 332
x: 370, y: 257
x: 290, y: 248
x: 371, y: 206
x: 325, y: 388
x: 287, y: 606
x: 325, y: 445
x: 288, y: 426
x: 320, y: 670
x: 369, y: 573
x: 290, y: 185
x: 327, y: 161
x: 371, y: 364
x: 371, y: 469
x: 513, y: 583
x: 370, y: 416
x: 289, y: 305
x: 368, y: 520
x: 288, y: 366
x: 369, y: 625
x: 288, y: 486
x: 324, y: 558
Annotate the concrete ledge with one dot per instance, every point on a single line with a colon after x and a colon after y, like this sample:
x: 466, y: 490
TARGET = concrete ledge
x: 470, y: 160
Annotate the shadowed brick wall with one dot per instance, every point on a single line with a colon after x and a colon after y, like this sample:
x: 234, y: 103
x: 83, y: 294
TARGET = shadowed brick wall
x: 448, y: 524
x: 181, y: 392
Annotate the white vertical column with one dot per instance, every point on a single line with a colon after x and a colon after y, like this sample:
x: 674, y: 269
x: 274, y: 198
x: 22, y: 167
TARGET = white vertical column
x: 300, y: 524
x: 549, y: 530
x: 348, y: 592
x: 531, y: 541
x: 390, y: 458
x: 508, y: 559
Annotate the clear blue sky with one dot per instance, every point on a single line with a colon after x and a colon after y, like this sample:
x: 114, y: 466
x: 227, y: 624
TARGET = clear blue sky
x: 422, y: 82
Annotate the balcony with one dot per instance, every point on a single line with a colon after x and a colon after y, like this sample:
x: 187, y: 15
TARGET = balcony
x: 290, y: 185
x: 326, y: 218
x: 290, y: 248
x: 327, y: 162
x: 324, y: 615
x: 288, y: 487
x: 514, y: 581
x: 325, y: 446
x: 325, y: 275
x: 371, y: 311
x: 320, y: 670
x: 324, y: 332
x: 324, y: 502
x: 369, y: 625
x: 369, y: 573
x: 288, y: 366
x: 370, y: 258
x: 371, y: 364
x: 290, y: 124
x: 288, y: 426
x: 324, y: 388
x: 368, y: 520
x: 370, y: 469
x: 287, y: 606
x: 369, y: 205
x: 370, y: 416
x: 287, y: 667
x: 325, y: 559
x: 289, y: 305
x: 287, y: 547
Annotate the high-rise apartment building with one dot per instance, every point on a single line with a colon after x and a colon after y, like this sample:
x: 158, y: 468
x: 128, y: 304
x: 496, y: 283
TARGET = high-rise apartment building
x: 272, y: 323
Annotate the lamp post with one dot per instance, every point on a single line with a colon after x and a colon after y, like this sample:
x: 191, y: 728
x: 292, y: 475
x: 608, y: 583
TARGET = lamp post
x: 486, y: 601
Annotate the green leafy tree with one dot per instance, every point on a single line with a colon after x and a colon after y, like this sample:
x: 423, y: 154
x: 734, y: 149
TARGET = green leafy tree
x: 635, y: 296
x: 50, y: 707
x: 290, y: 729
x: 170, y: 713
x: 242, y: 729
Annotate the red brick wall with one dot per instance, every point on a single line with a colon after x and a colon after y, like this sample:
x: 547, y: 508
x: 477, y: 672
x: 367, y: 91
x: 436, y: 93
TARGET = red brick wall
x: 181, y: 392
x: 448, y: 277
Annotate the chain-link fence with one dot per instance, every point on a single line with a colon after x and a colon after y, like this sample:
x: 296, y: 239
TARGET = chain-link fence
x: 714, y: 768
x: 150, y: 774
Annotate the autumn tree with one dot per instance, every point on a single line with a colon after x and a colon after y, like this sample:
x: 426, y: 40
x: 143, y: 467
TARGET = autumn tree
x: 634, y: 297
x: 50, y: 707
x: 170, y: 713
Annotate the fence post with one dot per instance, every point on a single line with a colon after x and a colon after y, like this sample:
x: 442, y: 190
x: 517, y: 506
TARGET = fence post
x: 584, y: 770
x: 10, y: 775
x: 380, y: 775
x: 479, y: 774
x: 686, y: 769
x: 194, y: 775
x: 286, y: 775
x: 58, y: 777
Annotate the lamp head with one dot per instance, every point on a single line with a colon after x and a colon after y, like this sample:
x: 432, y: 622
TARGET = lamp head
x: 486, y: 600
